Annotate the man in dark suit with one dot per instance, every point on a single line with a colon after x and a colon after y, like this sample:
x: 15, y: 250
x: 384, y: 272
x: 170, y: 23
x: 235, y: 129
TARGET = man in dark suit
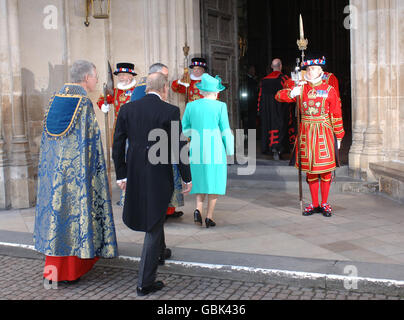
x: 149, y: 183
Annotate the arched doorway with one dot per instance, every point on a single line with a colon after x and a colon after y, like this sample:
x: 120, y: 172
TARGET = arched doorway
x: 271, y: 29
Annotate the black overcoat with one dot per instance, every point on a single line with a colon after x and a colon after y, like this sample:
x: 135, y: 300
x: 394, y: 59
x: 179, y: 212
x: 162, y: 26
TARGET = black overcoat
x: 151, y: 126
x: 274, y: 115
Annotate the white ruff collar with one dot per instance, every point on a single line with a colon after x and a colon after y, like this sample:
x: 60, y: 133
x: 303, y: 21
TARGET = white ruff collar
x: 127, y: 86
x: 315, y: 81
x: 195, y: 78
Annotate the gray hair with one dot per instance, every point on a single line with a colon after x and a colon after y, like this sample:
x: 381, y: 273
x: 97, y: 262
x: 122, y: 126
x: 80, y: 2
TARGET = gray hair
x: 208, y: 93
x: 80, y: 69
x: 156, y: 82
x: 156, y: 67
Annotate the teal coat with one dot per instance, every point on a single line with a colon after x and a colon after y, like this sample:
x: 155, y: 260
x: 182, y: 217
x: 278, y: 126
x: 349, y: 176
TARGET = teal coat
x: 206, y: 122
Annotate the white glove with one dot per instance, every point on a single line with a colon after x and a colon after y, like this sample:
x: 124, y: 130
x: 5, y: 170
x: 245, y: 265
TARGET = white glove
x: 296, y: 92
x: 105, y: 108
x: 183, y: 84
x: 339, y: 144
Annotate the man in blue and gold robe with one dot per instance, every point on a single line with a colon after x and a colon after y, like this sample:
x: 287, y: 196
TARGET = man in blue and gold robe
x: 74, y: 224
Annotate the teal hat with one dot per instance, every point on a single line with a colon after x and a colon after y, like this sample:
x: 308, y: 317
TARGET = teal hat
x: 210, y: 84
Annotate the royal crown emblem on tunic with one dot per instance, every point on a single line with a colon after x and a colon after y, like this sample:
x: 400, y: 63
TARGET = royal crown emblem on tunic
x: 312, y: 94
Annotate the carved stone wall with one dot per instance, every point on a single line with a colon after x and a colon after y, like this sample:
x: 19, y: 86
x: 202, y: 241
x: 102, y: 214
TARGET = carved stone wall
x: 39, y: 41
x: 377, y: 84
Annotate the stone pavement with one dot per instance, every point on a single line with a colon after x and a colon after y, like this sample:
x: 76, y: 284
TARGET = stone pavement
x: 261, y: 235
x: 21, y: 279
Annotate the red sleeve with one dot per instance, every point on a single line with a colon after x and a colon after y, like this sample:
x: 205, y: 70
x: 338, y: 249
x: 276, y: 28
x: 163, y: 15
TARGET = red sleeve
x: 333, y: 81
x: 284, y: 96
x: 336, y: 114
x: 100, y: 102
x: 289, y: 84
x: 176, y: 87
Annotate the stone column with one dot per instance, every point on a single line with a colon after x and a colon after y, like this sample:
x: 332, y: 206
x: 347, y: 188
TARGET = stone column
x: 4, y: 105
x: 164, y: 29
x: 398, y: 14
x: 377, y: 85
x: 372, y: 145
x: 22, y: 184
x: 388, y: 75
x: 359, y: 87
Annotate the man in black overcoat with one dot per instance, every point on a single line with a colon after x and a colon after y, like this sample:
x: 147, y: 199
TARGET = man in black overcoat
x: 152, y: 127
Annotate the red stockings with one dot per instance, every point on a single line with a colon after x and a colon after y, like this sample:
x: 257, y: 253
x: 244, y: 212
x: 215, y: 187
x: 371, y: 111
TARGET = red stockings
x: 314, y: 184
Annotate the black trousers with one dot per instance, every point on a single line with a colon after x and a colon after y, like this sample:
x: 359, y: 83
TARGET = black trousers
x: 153, y: 246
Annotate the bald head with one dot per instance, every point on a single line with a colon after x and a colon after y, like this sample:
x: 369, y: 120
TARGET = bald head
x: 276, y: 65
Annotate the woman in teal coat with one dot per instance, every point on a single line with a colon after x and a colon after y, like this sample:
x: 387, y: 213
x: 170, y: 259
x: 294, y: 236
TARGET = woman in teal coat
x: 206, y: 123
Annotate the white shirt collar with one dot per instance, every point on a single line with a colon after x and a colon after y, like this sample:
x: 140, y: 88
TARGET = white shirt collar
x: 152, y: 92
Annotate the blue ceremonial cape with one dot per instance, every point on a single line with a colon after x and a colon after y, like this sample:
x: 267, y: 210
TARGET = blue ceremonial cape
x: 73, y: 215
x: 140, y: 90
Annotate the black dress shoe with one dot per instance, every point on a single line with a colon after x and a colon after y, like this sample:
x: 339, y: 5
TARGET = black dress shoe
x: 176, y: 214
x: 197, y: 217
x: 158, y: 285
x: 63, y: 281
x: 209, y: 223
x: 70, y: 281
x: 165, y: 255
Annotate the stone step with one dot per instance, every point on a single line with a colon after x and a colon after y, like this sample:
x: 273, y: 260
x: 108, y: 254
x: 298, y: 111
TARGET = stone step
x: 272, y: 168
x: 278, y: 175
x: 340, y: 185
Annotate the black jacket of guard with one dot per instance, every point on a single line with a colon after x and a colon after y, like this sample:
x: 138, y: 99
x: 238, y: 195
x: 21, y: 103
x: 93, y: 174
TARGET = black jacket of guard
x: 150, y: 185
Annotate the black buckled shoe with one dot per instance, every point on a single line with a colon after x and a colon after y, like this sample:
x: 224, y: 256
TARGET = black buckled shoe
x: 310, y: 210
x: 158, y: 285
x: 326, y: 210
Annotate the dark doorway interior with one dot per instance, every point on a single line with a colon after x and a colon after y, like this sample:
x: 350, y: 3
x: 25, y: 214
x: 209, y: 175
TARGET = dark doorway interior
x: 271, y: 29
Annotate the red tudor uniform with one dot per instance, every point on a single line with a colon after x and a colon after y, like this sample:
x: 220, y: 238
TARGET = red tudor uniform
x: 193, y: 91
x: 321, y: 118
x: 119, y: 99
x: 328, y: 78
x: 321, y: 127
x: 121, y: 94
